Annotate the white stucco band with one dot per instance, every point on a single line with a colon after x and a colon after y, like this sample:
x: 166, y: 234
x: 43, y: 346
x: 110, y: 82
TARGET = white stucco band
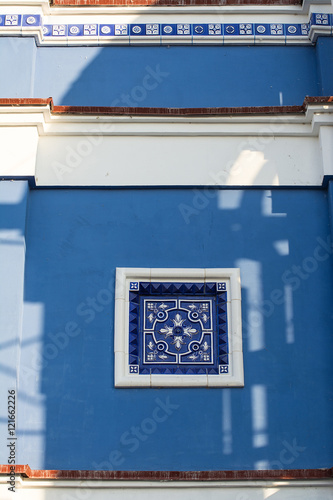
x: 44, y: 7
x: 326, y: 149
x: 229, y: 150
x: 32, y: 489
x: 18, y: 150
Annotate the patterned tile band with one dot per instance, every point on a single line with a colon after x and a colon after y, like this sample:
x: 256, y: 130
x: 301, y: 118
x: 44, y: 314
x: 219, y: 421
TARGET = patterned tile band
x: 156, y: 33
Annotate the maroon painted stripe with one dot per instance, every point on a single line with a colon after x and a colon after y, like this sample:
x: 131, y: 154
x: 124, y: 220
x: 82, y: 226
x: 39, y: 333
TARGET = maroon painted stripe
x: 231, y: 475
x: 124, y: 111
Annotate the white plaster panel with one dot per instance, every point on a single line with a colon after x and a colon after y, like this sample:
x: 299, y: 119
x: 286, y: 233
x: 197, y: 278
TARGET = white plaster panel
x: 18, y: 150
x: 326, y: 147
x: 186, y: 160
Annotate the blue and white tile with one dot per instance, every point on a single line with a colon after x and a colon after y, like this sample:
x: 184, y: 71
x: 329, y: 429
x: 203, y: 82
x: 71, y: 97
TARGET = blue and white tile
x: 75, y: 30
x: 55, y: 33
x: 176, y: 33
x: 147, y: 33
x: 107, y: 34
x: 297, y: 33
x: 210, y: 33
x: 184, y: 300
x: 238, y: 33
x: 12, y: 20
x: 10, y: 24
x: 320, y: 25
x: 321, y: 19
x: 124, y: 376
x: 119, y: 34
x: 269, y: 33
x: 106, y: 30
x: 46, y: 31
x: 234, y: 377
x: 87, y: 33
x: 31, y: 21
x: 89, y: 30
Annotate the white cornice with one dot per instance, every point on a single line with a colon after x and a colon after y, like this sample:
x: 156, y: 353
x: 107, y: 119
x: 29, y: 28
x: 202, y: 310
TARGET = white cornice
x: 25, y: 483
x: 58, y: 124
x: 248, y: 150
x: 306, y: 7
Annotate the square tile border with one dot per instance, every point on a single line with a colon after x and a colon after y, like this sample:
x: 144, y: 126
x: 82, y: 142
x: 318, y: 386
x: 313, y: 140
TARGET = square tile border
x: 123, y: 378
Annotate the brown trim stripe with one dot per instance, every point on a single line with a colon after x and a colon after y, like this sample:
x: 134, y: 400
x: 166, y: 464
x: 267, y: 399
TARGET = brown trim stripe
x: 229, y: 475
x: 173, y: 3
x: 126, y: 111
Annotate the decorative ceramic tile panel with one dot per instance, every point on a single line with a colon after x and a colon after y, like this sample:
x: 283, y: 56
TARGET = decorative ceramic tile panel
x: 155, y: 33
x: 174, y: 330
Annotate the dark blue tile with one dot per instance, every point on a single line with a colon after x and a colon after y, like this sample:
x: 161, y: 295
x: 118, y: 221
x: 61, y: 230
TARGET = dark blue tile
x: 262, y: 29
x: 210, y: 288
x: 137, y: 29
x: 106, y: 30
x: 31, y: 20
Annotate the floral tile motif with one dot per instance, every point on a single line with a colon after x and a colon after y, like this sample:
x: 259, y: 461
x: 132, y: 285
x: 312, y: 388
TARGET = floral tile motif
x: 176, y: 331
x: 178, y: 327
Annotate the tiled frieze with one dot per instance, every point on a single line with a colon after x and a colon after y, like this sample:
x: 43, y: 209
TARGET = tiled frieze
x: 86, y: 32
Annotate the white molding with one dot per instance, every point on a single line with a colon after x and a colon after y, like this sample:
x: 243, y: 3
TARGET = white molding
x: 229, y: 150
x: 53, y: 124
x: 44, y: 5
x: 27, y: 483
x: 123, y: 378
x: 326, y: 148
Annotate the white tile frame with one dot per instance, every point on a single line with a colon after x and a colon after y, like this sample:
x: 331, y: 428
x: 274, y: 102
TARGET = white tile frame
x: 235, y: 377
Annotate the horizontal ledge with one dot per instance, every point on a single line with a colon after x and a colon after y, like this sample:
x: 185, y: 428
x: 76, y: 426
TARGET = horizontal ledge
x: 70, y: 137
x: 231, y: 475
x: 226, y: 6
x: 181, y: 3
x: 158, y: 7
x: 173, y: 112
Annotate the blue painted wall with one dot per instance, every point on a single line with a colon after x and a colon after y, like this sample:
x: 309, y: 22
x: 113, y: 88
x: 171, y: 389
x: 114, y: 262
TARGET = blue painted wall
x: 13, y: 204
x: 325, y: 64
x: 165, y: 76
x: 72, y: 417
